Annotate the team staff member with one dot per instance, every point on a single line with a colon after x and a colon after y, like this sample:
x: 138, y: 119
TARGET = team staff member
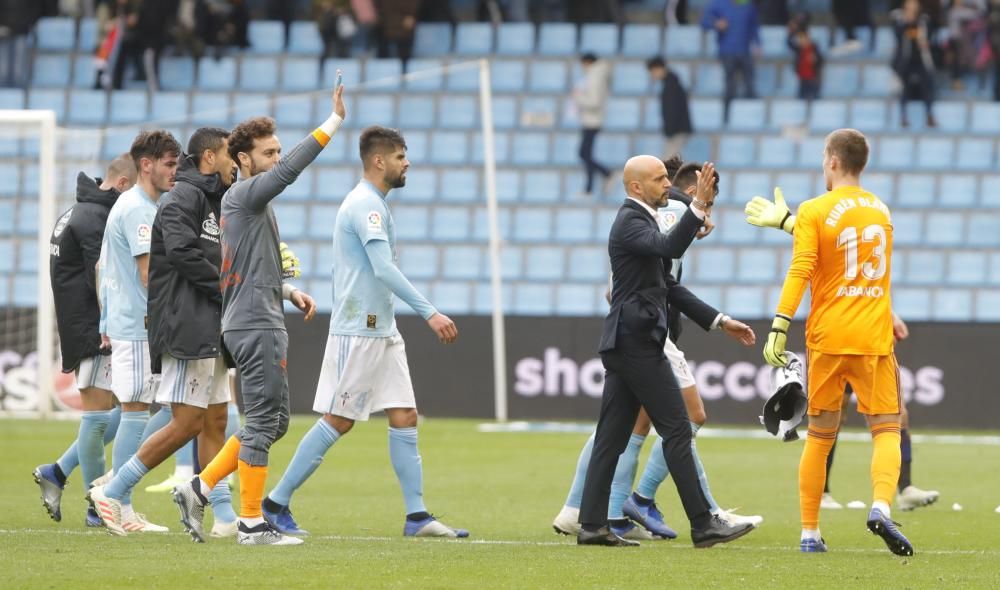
x: 631, y: 347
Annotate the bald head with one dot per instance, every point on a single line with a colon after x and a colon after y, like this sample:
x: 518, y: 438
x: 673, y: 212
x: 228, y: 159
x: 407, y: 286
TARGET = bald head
x: 645, y: 178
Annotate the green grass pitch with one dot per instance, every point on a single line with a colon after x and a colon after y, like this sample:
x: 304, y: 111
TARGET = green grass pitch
x: 506, y: 488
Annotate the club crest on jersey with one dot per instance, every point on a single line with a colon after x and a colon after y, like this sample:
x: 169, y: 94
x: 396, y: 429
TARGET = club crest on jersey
x: 62, y: 223
x: 375, y: 221
x: 669, y: 218
x: 144, y: 232
x: 210, y: 226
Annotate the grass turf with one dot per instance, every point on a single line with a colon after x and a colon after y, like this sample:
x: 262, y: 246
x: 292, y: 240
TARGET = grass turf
x: 505, y: 488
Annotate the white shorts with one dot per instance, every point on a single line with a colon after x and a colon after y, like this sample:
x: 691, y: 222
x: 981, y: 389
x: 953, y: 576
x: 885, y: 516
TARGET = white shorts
x: 94, y: 372
x: 132, y: 380
x: 196, y: 382
x: 679, y: 364
x: 361, y: 375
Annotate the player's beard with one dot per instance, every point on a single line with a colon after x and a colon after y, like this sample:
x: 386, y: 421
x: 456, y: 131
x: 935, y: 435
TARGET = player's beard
x: 399, y: 181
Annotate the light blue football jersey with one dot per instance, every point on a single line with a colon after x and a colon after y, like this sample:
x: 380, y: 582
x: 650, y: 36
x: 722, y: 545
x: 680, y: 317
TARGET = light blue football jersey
x: 127, y: 235
x: 362, y: 305
x: 667, y: 218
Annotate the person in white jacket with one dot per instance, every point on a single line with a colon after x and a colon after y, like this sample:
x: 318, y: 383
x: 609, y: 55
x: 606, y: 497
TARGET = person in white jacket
x: 591, y: 98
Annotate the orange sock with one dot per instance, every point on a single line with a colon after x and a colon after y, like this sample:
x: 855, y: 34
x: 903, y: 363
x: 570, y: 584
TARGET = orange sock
x: 252, y: 479
x: 223, y: 464
x: 886, y: 458
x: 812, y: 473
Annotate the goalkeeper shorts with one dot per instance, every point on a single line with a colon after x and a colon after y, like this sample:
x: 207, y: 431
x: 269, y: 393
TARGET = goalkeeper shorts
x: 874, y: 379
x: 361, y: 375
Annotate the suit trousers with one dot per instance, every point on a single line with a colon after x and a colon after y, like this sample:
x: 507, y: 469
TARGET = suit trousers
x: 641, y: 376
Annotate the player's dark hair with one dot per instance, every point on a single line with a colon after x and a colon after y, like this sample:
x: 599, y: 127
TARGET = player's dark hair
x: 673, y: 164
x: 655, y: 62
x: 850, y: 147
x: 153, y: 145
x: 244, y: 134
x: 379, y: 140
x: 687, y: 176
x: 588, y: 58
x: 123, y: 165
x: 205, y: 138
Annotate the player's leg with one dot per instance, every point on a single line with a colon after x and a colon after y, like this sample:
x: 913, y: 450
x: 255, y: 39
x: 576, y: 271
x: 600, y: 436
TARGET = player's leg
x: 828, y: 502
x: 909, y: 496
x: 94, y: 381
x: 621, y: 485
x: 567, y: 522
x: 393, y: 392
x: 210, y: 441
x: 347, y: 368
x: 826, y: 391
x: 183, y: 470
x: 262, y: 357
x: 876, y: 384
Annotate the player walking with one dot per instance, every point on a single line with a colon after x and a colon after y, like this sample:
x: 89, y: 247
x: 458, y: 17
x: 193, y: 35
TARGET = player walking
x: 364, y: 366
x: 253, y: 321
x: 842, y: 252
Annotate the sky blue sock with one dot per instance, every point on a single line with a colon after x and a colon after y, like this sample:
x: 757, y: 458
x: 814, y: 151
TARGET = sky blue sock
x: 576, y: 490
x: 116, y: 418
x: 90, y: 445
x: 702, y: 478
x: 156, y: 422
x: 125, y: 479
x: 127, y: 441
x: 621, y: 485
x: 233, y: 421
x: 655, y: 473
x: 184, y: 457
x: 409, y: 470
x: 221, y: 500
x: 71, y: 456
x: 307, y: 458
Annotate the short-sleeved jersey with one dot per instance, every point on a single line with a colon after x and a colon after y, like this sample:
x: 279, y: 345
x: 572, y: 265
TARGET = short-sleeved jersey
x: 362, y: 304
x: 128, y: 234
x: 843, y: 250
x: 666, y: 218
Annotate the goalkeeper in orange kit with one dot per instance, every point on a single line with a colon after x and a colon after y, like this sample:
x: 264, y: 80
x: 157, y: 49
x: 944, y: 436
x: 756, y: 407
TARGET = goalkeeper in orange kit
x: 842, y: 251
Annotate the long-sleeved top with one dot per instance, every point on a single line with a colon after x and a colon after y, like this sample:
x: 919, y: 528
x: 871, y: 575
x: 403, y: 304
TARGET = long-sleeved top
x: 74, y: 249
x: 591, y: 96
x: 251, y: 262
x: 674, y: 106
x: 742, y: 26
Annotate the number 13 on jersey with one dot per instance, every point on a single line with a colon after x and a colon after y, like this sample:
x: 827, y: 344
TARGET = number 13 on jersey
x: 875, y: 267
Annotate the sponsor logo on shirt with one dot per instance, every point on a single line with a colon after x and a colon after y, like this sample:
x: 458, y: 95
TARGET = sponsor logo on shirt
x: 210, y: 226
x: 62, y: 223
x: 372, y: 319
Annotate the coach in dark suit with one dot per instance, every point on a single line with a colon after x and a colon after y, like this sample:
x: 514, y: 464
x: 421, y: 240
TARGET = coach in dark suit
x: 631, y: 349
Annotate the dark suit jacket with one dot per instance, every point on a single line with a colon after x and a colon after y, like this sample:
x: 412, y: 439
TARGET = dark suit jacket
x: 640, y: 257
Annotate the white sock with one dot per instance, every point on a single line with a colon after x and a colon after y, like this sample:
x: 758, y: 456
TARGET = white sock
x: 810, y: 534
x: 882, y: 506
x: 252, y: 522
x: 185, y: 472
x: 205, y: 490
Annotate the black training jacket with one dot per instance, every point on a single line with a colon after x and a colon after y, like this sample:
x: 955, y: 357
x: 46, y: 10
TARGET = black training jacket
x: 74, y: 249
x: 185, y: 303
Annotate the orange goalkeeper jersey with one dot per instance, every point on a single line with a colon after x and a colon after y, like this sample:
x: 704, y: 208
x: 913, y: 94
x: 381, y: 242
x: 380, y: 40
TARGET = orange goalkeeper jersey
x: 843, y: 251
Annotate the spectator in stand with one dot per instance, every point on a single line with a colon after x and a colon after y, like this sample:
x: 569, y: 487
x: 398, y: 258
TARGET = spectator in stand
x: 850, y: 14
x: 366, y: 19
x: 965, y: 23
x: 912, y: 62
x: 397, y: 26
x: 222, y: 23
x: 146, y: 33
x: 808, y: 59
x: 336, y: 27
x: 993, y: 35
x: 591, y: 98
x: 17, y: 18
x: 738, y: 35
x: 673, y: 107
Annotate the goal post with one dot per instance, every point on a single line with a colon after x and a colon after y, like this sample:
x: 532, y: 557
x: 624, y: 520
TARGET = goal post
x: 29, y: 389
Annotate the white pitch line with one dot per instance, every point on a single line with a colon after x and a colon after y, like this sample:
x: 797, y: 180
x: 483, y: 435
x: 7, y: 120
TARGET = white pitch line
x: 516, y: 543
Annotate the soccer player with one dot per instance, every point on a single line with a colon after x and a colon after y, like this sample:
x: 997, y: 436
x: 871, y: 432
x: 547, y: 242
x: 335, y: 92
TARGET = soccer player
x: 253, y: 320
x: 74, y: 249
x: 123, y: 279
x: 764, y: 213
x: 364, y: 366
x: 185, y: 306
x: 842, y: 252
x: 639, y: 506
